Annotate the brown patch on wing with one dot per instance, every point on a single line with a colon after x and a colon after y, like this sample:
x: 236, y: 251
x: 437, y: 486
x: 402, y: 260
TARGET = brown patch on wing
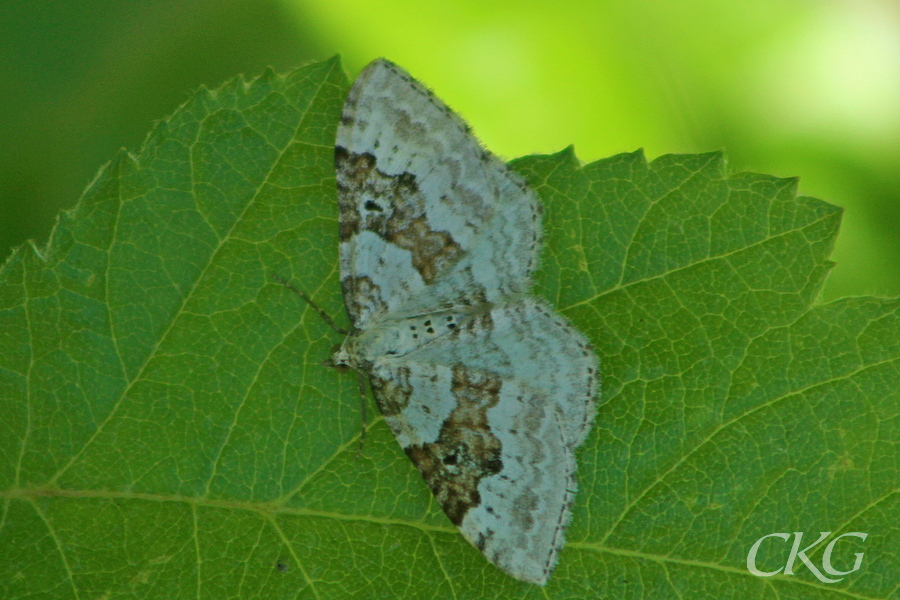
x: 466, y: 450
x: 351, y: 171
x: 392, y: 207
x: 392, y: 395
x: 362, y: 296
x: 431, y: 250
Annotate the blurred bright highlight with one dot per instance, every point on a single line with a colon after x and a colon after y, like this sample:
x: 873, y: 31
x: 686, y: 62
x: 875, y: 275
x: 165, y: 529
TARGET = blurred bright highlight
x: 785, y: 87
x: 791, y: 88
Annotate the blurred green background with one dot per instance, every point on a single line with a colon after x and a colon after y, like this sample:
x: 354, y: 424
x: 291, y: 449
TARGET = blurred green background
x: 786, y: 87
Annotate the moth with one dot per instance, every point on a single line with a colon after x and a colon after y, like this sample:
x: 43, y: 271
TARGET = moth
x: 487, y: 389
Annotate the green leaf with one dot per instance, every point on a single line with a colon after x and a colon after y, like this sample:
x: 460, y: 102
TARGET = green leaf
x: 169, y: 429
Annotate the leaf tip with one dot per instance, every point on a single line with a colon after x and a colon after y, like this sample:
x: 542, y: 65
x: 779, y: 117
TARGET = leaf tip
x: 334, y: 61
x: 567, y: 156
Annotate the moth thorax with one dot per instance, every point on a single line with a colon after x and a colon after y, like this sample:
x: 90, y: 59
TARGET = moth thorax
x: 396, y: 338
x: 369, y: 345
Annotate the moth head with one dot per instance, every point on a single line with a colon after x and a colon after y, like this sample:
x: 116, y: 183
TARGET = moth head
x: 345, y: 355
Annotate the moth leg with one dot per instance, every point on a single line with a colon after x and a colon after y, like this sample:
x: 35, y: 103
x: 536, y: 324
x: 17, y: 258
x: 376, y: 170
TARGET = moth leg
x: 361, y: 380
x: 309, y: 301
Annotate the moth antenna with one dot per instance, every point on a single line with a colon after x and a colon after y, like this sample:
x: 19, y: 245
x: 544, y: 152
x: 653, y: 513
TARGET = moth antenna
x: 360, y: 377
x: 309, y: 301
x: 361, y: 380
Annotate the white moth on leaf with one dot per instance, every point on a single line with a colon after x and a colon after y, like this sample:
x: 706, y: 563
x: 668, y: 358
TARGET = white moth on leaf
x: 487, y: 389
